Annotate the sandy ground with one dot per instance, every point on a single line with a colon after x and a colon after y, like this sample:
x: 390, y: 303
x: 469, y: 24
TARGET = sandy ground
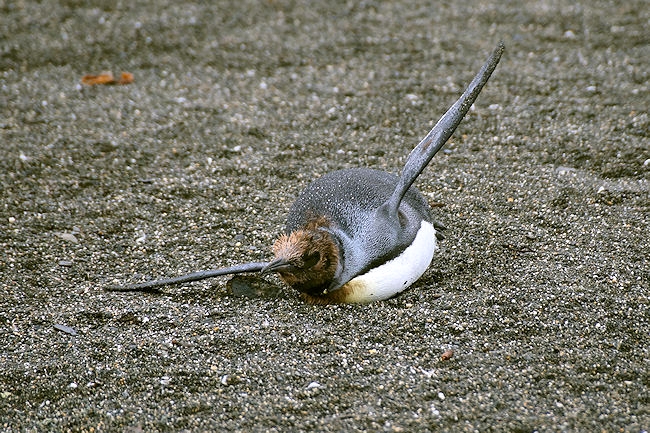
x: 541, y: 289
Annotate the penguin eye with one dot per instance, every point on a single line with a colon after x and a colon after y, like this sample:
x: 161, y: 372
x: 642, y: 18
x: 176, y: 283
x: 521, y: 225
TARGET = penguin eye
x: 310, y: 260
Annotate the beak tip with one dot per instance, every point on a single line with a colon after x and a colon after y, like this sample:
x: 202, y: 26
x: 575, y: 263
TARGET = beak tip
x: 274, y: 266
x: 265, y: 270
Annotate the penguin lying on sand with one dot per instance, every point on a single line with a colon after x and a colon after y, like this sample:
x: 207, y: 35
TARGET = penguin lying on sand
x: 358, y: 235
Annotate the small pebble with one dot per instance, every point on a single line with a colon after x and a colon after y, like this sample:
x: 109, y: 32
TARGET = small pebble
x: 313, y: 385
x: 561, y: 170
x: 446, y: 355
x: 66, y: 329
x: 67, y: 237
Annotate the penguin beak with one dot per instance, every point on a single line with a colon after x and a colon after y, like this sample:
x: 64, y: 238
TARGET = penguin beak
x: 277, y: 265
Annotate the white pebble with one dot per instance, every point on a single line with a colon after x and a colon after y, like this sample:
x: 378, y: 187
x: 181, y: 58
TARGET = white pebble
x: 313, y: 385
x: 68, y: 237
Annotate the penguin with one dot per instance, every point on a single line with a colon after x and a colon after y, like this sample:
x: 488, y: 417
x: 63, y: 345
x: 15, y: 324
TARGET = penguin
x: 357, y: 235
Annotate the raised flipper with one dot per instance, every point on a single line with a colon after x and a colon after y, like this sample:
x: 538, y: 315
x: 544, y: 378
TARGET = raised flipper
x: 420, y: 157
x: 152, y: 286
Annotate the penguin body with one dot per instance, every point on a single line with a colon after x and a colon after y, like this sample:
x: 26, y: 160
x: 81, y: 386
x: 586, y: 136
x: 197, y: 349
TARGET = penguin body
x: 358, y: 235
x: 377, y: 259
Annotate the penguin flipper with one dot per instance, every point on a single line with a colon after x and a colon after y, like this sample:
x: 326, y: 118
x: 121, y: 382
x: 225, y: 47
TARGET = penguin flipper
x: 153, y: 285
x: 420, y: 157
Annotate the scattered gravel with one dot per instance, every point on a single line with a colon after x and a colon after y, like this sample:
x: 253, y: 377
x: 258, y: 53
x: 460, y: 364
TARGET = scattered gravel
x: 535, y: 316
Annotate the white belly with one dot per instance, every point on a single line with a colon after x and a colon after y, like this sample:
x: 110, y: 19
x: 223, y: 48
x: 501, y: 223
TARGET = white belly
x: 396, y: 275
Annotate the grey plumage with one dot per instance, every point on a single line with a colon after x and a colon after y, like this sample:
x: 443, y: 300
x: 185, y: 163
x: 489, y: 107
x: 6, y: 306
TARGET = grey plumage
x: 350, y: 200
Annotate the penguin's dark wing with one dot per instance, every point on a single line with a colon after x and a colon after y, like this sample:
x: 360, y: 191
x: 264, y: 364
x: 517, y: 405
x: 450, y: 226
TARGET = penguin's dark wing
x: 152, y: 286
x: 420, y: 157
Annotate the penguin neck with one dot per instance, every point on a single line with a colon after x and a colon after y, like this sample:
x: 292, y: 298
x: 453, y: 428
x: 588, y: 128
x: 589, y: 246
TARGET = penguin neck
x: 313, y: 253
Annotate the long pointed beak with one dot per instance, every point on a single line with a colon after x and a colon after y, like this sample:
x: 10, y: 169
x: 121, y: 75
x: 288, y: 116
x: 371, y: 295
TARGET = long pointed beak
x: 277, y: 265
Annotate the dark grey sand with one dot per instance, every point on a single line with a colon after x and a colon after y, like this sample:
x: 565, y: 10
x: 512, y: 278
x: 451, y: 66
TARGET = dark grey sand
x: 541, y: 289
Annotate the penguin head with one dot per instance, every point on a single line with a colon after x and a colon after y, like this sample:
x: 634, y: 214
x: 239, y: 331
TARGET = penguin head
x: 306, y: 259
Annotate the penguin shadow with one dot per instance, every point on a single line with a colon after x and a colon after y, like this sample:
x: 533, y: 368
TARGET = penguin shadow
x: 254, y: 287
